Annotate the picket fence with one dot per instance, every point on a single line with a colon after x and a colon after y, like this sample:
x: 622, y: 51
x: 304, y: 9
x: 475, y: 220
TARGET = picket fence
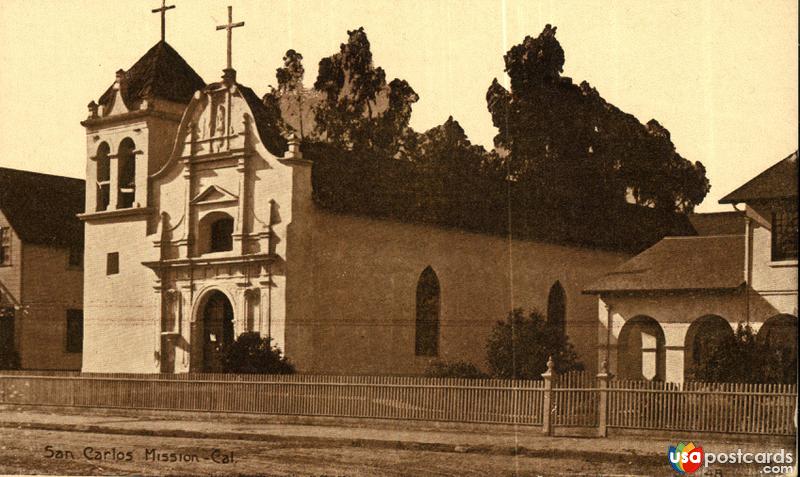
x: 576, y: 400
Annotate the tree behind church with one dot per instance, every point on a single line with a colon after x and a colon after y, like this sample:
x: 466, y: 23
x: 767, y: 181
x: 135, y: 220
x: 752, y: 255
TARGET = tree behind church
x: 568, y: 145
x: 369, y: 161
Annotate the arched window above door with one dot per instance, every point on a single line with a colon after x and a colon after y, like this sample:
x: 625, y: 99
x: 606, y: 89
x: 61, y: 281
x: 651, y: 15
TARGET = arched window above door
x: 215, y: 233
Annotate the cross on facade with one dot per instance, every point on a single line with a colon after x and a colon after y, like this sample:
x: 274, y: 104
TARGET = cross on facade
x: 163, y: 11
x: 230, y: 26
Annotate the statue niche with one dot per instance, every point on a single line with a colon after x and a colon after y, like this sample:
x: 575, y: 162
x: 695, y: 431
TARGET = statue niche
x: 220, y: 121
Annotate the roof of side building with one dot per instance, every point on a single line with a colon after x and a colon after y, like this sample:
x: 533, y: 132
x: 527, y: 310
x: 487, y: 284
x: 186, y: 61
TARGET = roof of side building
x: 42, y: 208
x: 680, y: 264
x: 777, y: 182
x: 718, y: 223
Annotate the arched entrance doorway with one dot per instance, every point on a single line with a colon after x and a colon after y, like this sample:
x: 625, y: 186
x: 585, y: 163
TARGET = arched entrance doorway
x: 217, y: 317
x: 641, y: 354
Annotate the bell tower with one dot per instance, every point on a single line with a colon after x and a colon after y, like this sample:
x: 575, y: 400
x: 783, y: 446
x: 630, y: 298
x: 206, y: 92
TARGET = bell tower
x: 130, y: 134
x: 130, y: 129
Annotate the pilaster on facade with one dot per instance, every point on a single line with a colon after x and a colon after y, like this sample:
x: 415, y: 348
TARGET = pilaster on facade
x: 113, y: 199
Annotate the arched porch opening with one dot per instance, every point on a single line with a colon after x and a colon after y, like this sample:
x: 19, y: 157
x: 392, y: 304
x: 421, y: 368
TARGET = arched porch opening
x: 706, y: 341
x: 778, y: 336
x: 640, y: 353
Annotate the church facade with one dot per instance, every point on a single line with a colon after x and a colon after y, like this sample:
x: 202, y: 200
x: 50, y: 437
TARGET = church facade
x: 200, y: 224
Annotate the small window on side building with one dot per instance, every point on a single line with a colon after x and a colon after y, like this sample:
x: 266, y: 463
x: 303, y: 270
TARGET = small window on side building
x: 5, y: 246
x: 74, y: 331
x: 784, y: 232
x: 75, y: 257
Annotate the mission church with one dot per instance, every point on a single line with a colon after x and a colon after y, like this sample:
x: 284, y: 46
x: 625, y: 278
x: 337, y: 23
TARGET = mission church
x: 201, y: 224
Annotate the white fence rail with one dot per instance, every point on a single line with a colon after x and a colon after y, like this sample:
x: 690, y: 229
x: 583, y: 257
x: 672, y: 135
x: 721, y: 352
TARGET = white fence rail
x: 575, y: 400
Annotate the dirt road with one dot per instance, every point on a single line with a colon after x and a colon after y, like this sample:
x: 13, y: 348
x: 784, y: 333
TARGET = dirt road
x: 57, y: 452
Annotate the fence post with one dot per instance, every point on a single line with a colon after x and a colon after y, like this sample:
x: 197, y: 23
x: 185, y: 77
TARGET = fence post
x: 602, y: 412
x: 547, y: 412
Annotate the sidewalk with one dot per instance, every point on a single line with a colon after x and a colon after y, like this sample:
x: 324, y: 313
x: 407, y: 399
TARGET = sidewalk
x: 364, y: 433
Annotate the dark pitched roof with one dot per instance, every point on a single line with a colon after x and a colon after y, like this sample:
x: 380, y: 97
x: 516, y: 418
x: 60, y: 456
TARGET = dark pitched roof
x: 266, y: 122
x: 42, y: 208
x: 161, y: 73
x: 680, y: 263
x: 718, y: 223
x: 777, y: 182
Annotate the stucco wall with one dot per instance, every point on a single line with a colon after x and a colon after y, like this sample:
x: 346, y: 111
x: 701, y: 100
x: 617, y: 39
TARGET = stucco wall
x: 363, y: 292
x: 774, y: 283
x: 121, y: 315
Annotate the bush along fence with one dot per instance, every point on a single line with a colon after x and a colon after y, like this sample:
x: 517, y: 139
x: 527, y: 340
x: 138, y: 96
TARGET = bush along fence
x: 593, y: 404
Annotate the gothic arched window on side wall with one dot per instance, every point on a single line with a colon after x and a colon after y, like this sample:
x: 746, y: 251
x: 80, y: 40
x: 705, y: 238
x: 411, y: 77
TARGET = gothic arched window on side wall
x: 427, y: 322
x: 127, y: 174
x: 103, y: 178
x: 557, y: 308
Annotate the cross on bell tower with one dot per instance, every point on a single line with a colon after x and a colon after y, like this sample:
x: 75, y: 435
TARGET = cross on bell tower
x: 163, y: 11
x: 229, y: 72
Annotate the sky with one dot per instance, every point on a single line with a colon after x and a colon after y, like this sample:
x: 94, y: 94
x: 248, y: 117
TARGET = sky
x: 720, y: 75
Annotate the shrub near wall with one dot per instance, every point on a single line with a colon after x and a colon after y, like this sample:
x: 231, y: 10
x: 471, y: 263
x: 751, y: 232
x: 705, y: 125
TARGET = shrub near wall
x: 519, y: 347
x: 252, y: 354
x: 454, y: 369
